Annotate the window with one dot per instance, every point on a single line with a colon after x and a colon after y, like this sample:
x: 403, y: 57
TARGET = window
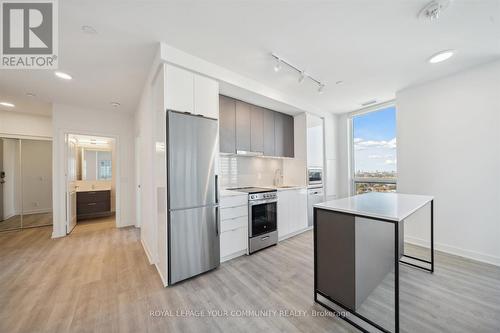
x: 104, y: 167
x: 373, y: 146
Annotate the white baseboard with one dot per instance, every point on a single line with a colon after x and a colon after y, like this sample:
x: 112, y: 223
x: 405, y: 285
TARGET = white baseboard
x: 151, y: 262
x: 478, y: 256
x: 8, y: 216
x: 295, y: 233
x: 37, y: 211
x: 163, y: 280
x: 233, y: 255
x: 148, y: 254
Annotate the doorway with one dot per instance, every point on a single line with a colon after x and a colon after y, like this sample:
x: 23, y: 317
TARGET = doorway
x: 25, y: 183
x: 90, y: 180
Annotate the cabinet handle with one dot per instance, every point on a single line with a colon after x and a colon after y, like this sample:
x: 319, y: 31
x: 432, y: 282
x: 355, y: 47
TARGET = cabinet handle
x: 234, y: 218
x: 91, y: 204
x: 227, y: 207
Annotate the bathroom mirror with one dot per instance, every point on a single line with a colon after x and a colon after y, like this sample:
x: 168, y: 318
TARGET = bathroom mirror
x: 96, y: 164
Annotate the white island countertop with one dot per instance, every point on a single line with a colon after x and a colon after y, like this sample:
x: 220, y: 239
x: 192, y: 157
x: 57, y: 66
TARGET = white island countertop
x: 387, y: 206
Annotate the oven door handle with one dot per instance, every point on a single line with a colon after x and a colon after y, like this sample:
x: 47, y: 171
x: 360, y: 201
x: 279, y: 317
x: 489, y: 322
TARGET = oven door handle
x: 262, y: 202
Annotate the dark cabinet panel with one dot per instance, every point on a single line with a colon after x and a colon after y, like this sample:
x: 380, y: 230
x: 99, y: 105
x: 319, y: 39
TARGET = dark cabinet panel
x: 283, y: 135
x: 91, y: 204
x: 257, y: 129
x: 279, y: 134
x: 268, y: 122
x: 227, y: 125
x: 243, y: 140
x: 250, y: 128
x: 288, y: 148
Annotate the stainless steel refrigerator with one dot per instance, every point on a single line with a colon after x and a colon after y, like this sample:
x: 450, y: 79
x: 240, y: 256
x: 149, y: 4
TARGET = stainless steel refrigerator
x: 193, y: 208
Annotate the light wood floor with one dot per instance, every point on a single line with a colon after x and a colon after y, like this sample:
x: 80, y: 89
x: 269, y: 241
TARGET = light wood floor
x: 98, y: 280
x: 28, y: 221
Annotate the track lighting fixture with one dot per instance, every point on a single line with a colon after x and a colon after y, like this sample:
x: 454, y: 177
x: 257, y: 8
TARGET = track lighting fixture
x: 302, y: 74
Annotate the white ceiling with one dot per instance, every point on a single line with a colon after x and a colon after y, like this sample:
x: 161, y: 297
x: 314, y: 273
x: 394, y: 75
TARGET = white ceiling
x: 375, y: 47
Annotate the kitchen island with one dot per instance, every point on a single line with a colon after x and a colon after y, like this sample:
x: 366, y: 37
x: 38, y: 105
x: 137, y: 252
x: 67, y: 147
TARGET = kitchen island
x: 358, y: 241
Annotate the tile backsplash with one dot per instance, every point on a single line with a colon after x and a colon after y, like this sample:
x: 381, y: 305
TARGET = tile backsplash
x: 240, y: 171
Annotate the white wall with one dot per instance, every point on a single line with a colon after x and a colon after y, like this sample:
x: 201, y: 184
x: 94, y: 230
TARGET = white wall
x: 343, y: 156
x: 144, y: 122
x: 449, y: 147
x: 116, y: 124
x: 22, y: 124
x: 331, y: 163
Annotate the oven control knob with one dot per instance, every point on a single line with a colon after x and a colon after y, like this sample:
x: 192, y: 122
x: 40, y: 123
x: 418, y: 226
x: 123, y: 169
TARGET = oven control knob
x: 252, y: 196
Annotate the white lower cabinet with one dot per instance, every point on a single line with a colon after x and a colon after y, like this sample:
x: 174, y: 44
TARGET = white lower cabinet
x: 292, y: 212
x: 233, y: 227
x: 233, y: 243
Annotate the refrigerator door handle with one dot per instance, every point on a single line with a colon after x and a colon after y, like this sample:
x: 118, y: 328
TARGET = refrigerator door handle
x: 216, y: 189
x: 217, y: 220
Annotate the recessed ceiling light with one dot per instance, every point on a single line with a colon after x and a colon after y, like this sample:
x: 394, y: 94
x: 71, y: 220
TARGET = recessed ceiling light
x: 7, y: 104
x: 30, y: 94
x: 115, y: 104
x: 63, y: 75
x: 441, y: 56
x: 339, y: 82
x: 89, y: 29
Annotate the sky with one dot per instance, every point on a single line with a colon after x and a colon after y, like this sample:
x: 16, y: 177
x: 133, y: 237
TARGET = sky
x: 374, y: 136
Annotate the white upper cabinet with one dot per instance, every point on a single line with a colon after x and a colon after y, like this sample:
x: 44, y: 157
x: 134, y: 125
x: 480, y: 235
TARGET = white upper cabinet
x: 314, y: 141
x: 179, y: 89
x: 186, y: 91
x: 206, y: 96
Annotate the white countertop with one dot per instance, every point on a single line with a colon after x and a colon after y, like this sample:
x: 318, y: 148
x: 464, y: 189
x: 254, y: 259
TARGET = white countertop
x: 288, y: 188
x: 231, y: 193
x: 389, y: 206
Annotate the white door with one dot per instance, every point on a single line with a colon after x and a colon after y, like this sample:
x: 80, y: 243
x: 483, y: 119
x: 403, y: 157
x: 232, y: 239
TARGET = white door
x: 70, y: 184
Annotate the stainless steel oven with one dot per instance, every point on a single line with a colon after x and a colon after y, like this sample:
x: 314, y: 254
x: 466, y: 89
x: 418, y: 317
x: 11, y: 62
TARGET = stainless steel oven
x: 314, y: 176
x: 262, y: 220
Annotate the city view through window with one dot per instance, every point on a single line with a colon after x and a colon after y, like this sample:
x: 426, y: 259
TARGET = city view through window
x: 374, y: 147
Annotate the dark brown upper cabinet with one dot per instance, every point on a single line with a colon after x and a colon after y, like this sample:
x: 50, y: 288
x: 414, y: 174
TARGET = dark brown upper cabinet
x: 289, y: 136
x: 243, y: 138
x: 269, y: 149
x: 283, y: 135
x: 227, y: 125
x: 257, y: 129
x: 251, y: 128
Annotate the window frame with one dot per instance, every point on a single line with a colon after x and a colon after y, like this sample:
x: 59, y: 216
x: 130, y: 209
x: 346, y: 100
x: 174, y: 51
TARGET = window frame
x: 353, y: 180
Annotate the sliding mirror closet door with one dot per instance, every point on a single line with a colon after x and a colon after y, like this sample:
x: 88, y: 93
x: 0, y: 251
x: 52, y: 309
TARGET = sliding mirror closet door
x: 10, y: 184
x: 36, y: 171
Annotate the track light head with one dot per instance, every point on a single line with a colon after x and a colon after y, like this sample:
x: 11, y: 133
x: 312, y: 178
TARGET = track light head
x: 277, y: 65
x: 321, y: 88
x: 302, y: 76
